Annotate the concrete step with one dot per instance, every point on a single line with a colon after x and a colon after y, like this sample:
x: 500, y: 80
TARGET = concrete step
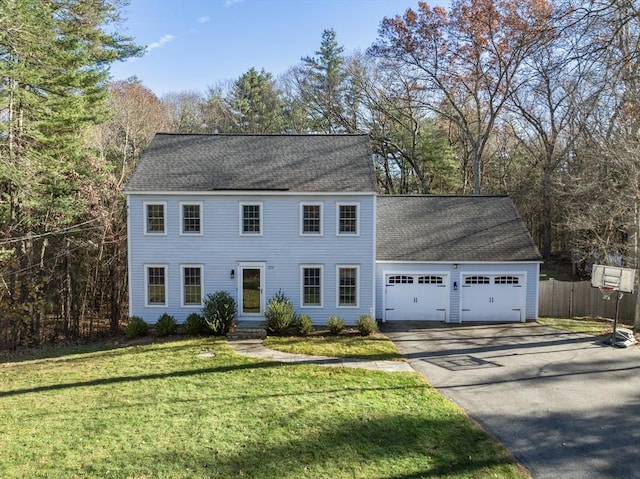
x: 247, y: 332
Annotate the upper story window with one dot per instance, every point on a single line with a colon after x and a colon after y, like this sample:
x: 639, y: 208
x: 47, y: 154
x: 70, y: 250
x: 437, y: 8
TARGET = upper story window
x: 311, y: 219
x: 347, y: 218
x: 251, y: 219
x: 191, y: 218
x: 155, y: 217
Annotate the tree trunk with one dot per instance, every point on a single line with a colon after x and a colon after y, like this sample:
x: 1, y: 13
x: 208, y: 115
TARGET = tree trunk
x: 477, y: 184
x: 546, y: 210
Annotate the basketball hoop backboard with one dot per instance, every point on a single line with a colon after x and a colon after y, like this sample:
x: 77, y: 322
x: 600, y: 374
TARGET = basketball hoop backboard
x: 613, y: 278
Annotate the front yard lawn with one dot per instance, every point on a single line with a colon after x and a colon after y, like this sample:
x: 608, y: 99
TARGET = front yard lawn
x: 587, y: 326
x: 166, y: 411
x: 374, y: 347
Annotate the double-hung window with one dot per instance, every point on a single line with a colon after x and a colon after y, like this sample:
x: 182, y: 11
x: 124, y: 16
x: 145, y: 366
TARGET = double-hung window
x: 251, y: 219
x: 156, y: 276
x: 347, y: 218
x: 192, y: 285
x: 311, y: 281
x: 191, y: 218
x: 348, y: 286
x: 311, y: 219
x: 155, y: 217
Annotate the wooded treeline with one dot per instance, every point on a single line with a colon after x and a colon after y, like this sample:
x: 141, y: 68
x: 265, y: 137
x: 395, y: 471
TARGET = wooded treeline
x: 539, y: 99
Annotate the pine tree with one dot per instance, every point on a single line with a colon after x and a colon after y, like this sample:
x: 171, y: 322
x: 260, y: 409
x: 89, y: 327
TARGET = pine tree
x: 54, y: 60
x: 322, y: 85
x: 255, y: 104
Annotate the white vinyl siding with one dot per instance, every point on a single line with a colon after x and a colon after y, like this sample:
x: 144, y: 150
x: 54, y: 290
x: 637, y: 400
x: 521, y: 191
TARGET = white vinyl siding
x: 251, y: 219
x: 156, y: 284
x: 191, y: 218
x: 191, y: 285
x: 311, y: 281
x: 348, y: 219
x: 348, y: 286
x: 155, y: 218
x: 311, y: 219
x: 280, y: 248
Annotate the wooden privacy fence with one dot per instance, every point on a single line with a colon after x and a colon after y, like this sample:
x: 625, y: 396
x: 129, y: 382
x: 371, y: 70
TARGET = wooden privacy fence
x: 578, y: 299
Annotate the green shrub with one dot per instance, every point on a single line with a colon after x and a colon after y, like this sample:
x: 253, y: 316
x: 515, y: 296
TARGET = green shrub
x: 219, y: 312
x: 195, y: 324
x: 304, y: 326
x: 280, y: 314
x: 336, y: 325
x: 366, y: 325
x: 136, y: 328
x: 279, y: 296
x: 166, y: 326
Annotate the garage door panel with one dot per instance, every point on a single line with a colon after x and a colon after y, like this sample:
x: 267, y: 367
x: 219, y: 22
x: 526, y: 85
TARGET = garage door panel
x: 417, y: 297
x: 494, y: 297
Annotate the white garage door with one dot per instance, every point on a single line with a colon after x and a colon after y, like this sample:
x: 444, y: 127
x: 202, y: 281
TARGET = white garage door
x: 492, y: 297
x: 416, y: 297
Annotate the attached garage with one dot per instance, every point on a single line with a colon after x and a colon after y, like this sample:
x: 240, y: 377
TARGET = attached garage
x: 416, y: 297
x: 454, y: 259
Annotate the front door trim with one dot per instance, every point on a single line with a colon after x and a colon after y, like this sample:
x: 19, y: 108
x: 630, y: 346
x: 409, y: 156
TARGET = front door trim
x: 249, y: 265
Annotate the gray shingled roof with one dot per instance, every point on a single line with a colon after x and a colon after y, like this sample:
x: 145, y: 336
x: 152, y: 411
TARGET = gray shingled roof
x: 304, y: 163
x: 452, y: 228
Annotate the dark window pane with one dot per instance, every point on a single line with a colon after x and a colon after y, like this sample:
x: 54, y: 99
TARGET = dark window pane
x: 192, y: 285
x: 191, y: 218
x: 155, y: 218
x: 251, y: 219
x: 348, y: 287
x: 311, y: 219
x: 156, y: 284
x: 311, y: 287
x: 348, y: 220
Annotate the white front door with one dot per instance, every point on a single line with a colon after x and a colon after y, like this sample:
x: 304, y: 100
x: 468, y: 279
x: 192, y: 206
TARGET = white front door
x: 251, y: 289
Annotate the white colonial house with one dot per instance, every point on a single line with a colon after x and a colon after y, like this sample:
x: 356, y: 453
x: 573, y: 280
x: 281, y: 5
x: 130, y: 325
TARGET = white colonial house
x: 258, y: 214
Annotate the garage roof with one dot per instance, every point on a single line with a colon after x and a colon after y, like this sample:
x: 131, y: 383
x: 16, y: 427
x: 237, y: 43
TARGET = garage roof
x: 301, y: 163
x: 451, y: 228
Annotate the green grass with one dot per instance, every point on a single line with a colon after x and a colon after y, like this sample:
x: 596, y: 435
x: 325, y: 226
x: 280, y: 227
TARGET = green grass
x: 162, y: 411
x: 374, y: 347
x: 587, y: 326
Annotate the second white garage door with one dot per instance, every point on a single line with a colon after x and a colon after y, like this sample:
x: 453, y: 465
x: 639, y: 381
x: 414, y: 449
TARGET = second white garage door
x: 416, y: 297
x: 492, y: 297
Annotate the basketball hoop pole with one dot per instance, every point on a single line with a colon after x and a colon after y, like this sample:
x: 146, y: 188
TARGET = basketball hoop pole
x: 615, y: 319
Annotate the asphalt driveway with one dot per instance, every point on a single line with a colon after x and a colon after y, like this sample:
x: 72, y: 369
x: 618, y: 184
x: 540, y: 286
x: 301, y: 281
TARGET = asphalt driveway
x: 566, y: 405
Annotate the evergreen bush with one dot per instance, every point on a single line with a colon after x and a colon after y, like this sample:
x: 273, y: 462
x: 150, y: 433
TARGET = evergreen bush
x: 136, y: 328
x: 366, y: 325
x: 195, y: 324
x: 336, y: 325
x: 219, y: 312
x: 280, y: 314
x: 166, y: 326
x: 304, y: 326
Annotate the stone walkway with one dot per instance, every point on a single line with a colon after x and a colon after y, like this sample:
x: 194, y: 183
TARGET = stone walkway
x: 255, y: 349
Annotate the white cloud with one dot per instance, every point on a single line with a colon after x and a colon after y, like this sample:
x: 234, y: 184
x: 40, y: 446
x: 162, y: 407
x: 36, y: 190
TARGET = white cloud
x: 204, y: 19
x: 228, y: 3
x: 160, y: 43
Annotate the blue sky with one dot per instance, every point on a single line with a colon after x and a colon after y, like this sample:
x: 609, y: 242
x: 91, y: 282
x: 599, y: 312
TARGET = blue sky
x: 194, y: 44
